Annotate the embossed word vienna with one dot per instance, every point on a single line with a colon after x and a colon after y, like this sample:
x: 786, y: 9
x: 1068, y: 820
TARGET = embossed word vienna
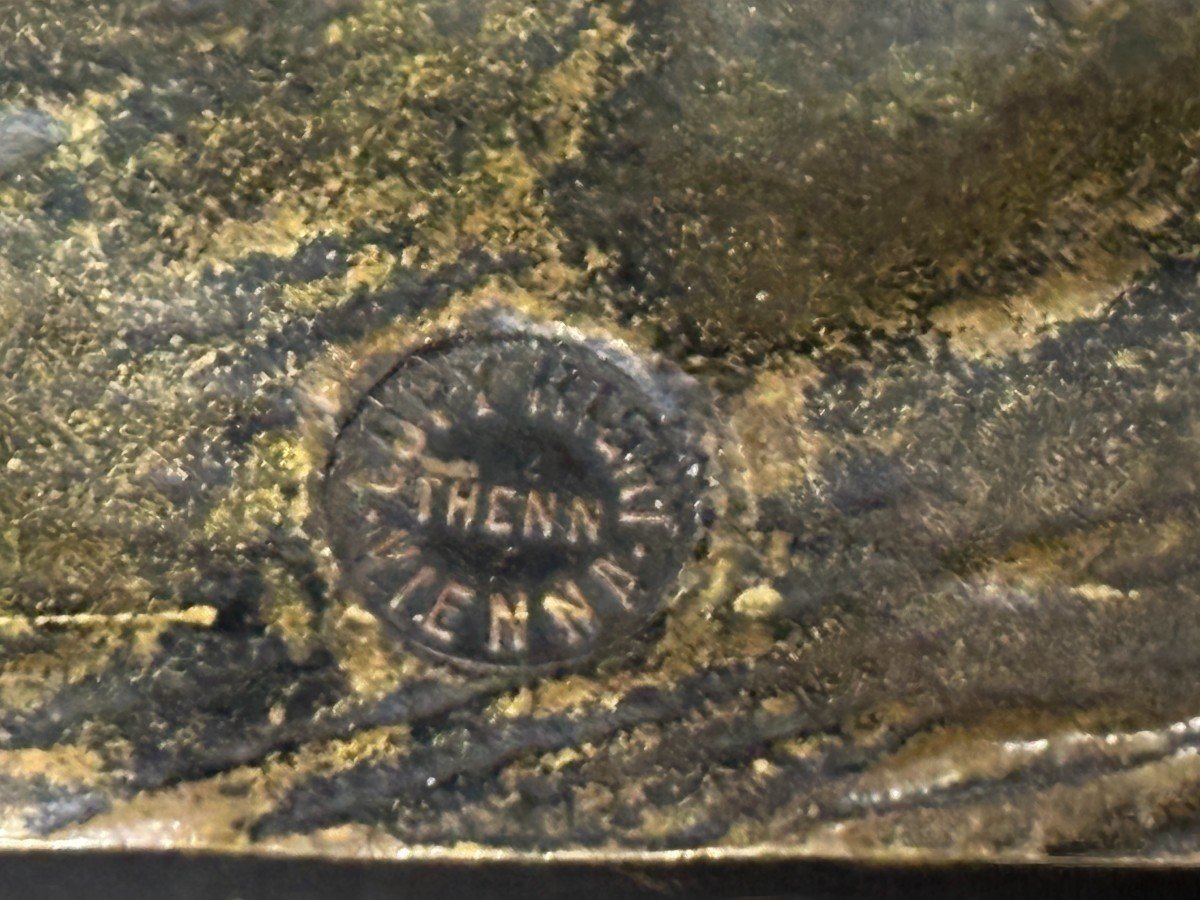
x: 514, y: 500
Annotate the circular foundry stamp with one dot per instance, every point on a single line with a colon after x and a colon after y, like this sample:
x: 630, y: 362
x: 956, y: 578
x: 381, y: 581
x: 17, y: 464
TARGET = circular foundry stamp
x: 515, y: 500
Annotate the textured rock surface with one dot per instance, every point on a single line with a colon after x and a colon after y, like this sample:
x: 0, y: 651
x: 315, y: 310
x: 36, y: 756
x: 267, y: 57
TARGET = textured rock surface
x: 936, y: 263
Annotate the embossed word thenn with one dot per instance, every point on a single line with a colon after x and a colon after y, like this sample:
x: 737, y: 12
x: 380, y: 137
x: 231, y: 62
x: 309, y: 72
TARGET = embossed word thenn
x: 514, y: 500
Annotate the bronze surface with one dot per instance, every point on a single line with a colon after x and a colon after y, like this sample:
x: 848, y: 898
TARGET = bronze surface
x: 933, y: 265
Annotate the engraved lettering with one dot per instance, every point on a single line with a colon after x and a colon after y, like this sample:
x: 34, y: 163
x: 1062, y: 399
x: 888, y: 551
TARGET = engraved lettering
x: 610, y: 453
x: 508, y: 631
x: 584, y: 519
x: 393, y: 485
x: 416, y: 406
x: 425, y: 576
x: 425, y: 488
x: 539, y: 515
x: 446, y: 610
x: 616, y: 579
x: 629, y: 494
x: 503, y: 510
x: 645, y: 518
x: 462, y: 506
x: 570, y: 612
x: 412, y: 444
x: 396, y: 546
x: 393, y: 550
x: 518, y: 531
x: 628, y: 472
x: 498, y: 520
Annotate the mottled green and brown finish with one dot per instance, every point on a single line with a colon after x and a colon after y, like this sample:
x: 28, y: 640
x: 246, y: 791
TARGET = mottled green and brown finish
x: 936, y: 261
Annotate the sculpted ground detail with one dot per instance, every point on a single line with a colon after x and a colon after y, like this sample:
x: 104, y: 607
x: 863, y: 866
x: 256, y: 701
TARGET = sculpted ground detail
x: 514, y: 501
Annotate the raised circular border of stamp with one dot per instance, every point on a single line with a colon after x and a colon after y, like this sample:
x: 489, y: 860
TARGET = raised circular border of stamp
x: 519, y: 497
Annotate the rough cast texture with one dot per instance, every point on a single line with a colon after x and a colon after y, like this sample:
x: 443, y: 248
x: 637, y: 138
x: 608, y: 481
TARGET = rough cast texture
x: 936, y: 263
